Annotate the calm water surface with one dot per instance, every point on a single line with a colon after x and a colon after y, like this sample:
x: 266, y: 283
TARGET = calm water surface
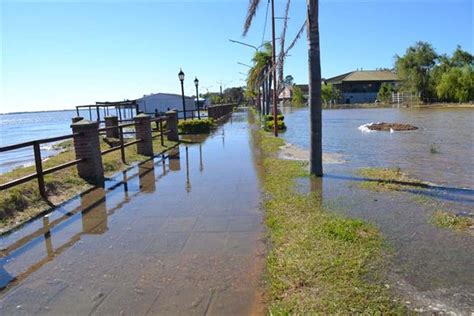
x: 23, y: 127
x: 451, y: 130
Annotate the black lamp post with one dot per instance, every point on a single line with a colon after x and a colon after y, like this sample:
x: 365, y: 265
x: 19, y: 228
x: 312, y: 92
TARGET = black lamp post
x: 181, y: 78
x: 196, y: 83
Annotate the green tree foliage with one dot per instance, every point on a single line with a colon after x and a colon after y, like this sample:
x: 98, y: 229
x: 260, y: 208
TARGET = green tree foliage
x: 261, y: 60
x: 297, y: 98
x: 456, y: 84
x: 414, y: 69
x: 435, y: 76
x: 288, y: 80
x: 234, y: 95
x: 329, y: 93
x: 385, y: 92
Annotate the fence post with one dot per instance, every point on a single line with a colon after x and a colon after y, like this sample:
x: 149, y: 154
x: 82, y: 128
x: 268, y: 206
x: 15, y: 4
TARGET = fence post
x: 39, y: 169
x: 87, y: 147
x: 77, y: 119
x: 111, y: 121
x: 143, y: 132
x: 172, y: 125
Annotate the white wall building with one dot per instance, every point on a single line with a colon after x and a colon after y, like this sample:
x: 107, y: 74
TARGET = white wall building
x: 163, y: 102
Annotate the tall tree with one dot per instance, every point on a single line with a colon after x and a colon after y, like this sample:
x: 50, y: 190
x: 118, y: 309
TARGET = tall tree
x: 314, y: 102
x: 314, y: 61
x: 414, y: 69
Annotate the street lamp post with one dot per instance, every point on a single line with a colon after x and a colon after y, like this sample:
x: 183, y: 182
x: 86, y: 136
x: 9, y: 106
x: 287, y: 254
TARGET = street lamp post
x: 196, y: 83
x: 181, y: 78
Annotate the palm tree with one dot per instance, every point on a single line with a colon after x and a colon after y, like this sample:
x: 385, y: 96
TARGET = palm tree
x: 314, y: 85
x: 314, y: 63
x: 262, y: 60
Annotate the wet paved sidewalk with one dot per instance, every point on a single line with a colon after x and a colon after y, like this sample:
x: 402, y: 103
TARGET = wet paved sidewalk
x: 176, y: 236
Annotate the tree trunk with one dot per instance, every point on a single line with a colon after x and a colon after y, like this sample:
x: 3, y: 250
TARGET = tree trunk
x: 264, y: 95
x: 269, y: 93
x: 316, y: 152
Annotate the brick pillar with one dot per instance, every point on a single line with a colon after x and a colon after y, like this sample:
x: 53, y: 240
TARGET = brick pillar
x: 143, y: 132
x: 87, y: 146
x: 77, y: 119
x: 111, y: 121
x: 172, y: 125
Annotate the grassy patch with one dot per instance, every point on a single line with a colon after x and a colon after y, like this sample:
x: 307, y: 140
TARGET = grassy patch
x: 319, y: 262
x: 22, y: 202
x: 451, y: 221
x: 197, y: 126
x: 387, y: 179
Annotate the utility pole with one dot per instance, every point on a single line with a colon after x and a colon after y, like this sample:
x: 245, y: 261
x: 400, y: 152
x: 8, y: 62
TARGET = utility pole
x: 275, y: 119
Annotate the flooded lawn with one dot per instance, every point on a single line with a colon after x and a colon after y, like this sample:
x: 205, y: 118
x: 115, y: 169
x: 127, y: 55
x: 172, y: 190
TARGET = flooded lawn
x: 180, y: 234
x: 431, y: 267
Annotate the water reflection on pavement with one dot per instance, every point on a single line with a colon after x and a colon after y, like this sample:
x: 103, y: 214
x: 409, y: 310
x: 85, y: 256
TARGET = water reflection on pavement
x: 179, y: 234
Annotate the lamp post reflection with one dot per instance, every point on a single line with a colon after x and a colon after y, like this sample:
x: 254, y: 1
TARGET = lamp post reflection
x: 188, y: 182
x: 201, y: 165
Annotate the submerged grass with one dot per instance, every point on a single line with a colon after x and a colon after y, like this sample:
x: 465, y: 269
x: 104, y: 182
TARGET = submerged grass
x: 451, y: 221
x: 319, y: 262
x: 386, y: 179
x: 23, y: 202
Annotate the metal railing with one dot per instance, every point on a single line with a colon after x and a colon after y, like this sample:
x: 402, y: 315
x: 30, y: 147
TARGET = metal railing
x: 40, y: 172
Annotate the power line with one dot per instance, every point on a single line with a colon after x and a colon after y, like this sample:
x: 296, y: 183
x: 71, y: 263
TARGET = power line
x: 265, y: 25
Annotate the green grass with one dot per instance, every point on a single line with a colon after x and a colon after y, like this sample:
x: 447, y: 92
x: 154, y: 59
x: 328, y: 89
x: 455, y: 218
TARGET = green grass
x: 451, y: 221
x: 22, y: 202
x: 319, y: 262
x: 387, y: 179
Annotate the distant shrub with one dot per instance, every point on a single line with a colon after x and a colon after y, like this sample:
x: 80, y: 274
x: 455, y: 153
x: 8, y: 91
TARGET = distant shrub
x: 270, y: 117
x: 269, y: 126
x: 196, y: 126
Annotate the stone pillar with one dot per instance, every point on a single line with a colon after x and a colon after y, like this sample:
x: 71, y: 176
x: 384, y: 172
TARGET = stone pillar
x: 172, y: 125
x: 87, y: 147
x: 111, y: 121
x: 77, y: 119
x: 143, y: 132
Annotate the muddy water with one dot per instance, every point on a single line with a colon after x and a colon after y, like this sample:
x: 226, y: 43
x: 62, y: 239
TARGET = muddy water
x: 450, y: 130
x: 180, y: 234
x: 432, y: 269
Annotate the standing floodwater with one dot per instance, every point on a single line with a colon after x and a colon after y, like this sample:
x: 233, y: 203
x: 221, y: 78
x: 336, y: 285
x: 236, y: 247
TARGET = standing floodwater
x: 179, y: 234
x: 448, y: 131
x: 430, y: 267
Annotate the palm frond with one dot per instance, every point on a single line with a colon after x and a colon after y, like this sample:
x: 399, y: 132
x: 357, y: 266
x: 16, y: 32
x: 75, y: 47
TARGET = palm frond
x: 281, y: 56
x: 297, y: 37
x: 252, y: 10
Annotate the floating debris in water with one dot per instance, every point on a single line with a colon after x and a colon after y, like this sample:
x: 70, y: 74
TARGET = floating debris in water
x: 386, y: 127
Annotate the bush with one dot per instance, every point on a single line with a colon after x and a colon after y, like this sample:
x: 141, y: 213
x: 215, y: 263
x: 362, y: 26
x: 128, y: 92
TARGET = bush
x: 269, y: 126
x: 196, y: 126
x: 270, y: 117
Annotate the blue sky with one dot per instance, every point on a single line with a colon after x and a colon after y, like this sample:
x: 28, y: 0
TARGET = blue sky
x: 56, y: 55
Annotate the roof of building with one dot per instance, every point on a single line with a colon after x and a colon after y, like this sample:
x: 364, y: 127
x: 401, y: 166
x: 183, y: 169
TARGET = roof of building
x: 164, y: 95
x: 365, y: 75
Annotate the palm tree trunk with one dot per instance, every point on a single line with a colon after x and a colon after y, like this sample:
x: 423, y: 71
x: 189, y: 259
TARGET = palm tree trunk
x: 314, y: 60
x: 264, y: 95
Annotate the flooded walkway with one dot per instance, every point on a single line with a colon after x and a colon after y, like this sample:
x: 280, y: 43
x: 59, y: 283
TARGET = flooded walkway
x: 176, y: 235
